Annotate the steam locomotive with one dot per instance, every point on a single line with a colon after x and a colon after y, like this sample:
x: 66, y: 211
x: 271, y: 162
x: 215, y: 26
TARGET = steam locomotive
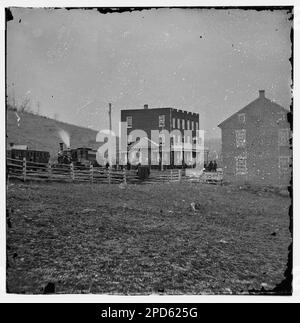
x: 81, y: 156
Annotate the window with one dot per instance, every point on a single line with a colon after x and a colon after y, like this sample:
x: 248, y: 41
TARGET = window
x: 188, y: 125
x: 193, y: 125
x: 283, y: 137
x: 162, y: 138
x: 174, y: 123
x: 240, y: 138
x: 240, y: 165
x: 242, y: 117
x: 197, y: 126
x: 178, y: 123
x: 282, y: 116
x: 183, y: 124
x: 161, y: 120
x: 129, y: 121
x: 284, y: 164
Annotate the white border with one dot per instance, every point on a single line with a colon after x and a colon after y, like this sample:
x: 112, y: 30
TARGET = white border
x: 153, y: 298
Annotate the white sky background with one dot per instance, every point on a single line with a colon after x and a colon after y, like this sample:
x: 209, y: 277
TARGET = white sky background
x: 208, y: 61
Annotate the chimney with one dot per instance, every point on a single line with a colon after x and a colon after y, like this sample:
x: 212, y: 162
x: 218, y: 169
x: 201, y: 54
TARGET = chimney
x: 61, y: 146
x: 145, y: 106
x: 261, y: 94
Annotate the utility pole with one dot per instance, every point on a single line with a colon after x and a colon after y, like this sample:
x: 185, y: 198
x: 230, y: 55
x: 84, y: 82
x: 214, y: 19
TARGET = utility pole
x: 162, y: 150
x: 110, y: 129
x: 109, y: 113
x: 13, y: 95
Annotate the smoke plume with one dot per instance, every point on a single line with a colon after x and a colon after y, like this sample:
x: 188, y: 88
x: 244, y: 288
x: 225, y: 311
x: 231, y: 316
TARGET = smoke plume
x: 65, y: 137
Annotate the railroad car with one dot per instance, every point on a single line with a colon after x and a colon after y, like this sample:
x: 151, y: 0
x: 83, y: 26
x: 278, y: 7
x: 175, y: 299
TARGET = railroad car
x: 35, y: 156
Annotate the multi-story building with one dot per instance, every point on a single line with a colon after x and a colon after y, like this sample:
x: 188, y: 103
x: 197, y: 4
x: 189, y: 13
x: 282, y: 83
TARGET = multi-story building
x: 256, y: 144
x: 160, y: 119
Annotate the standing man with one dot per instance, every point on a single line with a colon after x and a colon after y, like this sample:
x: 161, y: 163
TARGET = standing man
x: 215, y: 166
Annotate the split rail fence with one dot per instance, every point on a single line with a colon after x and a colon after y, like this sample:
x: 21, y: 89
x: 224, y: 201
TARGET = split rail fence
x: 27, y: 171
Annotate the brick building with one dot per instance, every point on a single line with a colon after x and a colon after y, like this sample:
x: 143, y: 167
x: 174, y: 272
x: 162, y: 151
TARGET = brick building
x: 256, y: 144
x: 169, y: 119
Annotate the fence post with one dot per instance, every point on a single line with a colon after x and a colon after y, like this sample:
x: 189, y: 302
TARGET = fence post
x: 49, y: 170
x: 92, y: 173
x: 171, y: 175
x: 124, y: 176
x: 109, y: 177
x: 24, y: 169
x: 179, y: 175
x: 72, y: 172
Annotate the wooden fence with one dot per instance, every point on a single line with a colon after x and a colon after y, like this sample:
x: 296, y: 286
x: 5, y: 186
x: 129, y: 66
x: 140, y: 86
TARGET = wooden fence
x: 27, y: 171
x: 204, y: 177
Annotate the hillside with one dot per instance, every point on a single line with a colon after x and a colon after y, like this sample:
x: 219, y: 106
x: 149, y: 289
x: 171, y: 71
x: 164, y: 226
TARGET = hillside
x: 42, y: 133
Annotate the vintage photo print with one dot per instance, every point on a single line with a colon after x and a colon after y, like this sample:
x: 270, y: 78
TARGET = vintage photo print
x: 149, y: 150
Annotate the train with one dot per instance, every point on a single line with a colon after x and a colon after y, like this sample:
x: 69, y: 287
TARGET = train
x: 81, y: 156
x: 19, y: 152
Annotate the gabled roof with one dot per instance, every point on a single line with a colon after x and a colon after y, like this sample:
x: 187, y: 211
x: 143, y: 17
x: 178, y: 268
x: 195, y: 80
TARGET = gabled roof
x: 250, y: 105
x: 143, y: 143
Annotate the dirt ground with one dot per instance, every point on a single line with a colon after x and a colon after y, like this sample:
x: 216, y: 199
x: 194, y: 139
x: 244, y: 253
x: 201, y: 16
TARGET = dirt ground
x: 145, y: 239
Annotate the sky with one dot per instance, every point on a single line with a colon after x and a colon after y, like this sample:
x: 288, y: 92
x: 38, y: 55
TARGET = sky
x: 71, y: 63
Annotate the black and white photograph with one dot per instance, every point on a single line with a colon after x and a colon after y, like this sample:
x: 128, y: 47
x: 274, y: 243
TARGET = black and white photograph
x: 149, y: 150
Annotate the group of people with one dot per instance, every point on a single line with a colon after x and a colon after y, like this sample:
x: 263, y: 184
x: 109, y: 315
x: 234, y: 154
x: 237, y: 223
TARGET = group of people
x: 211, y: 166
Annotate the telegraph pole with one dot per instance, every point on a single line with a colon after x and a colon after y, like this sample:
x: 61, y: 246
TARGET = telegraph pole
x: 109, y: 113
x: 162, y: 144
x: 110, y: 129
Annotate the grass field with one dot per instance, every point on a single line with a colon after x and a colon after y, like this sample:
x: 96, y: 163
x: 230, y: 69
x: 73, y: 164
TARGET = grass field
x: 145, y: 239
